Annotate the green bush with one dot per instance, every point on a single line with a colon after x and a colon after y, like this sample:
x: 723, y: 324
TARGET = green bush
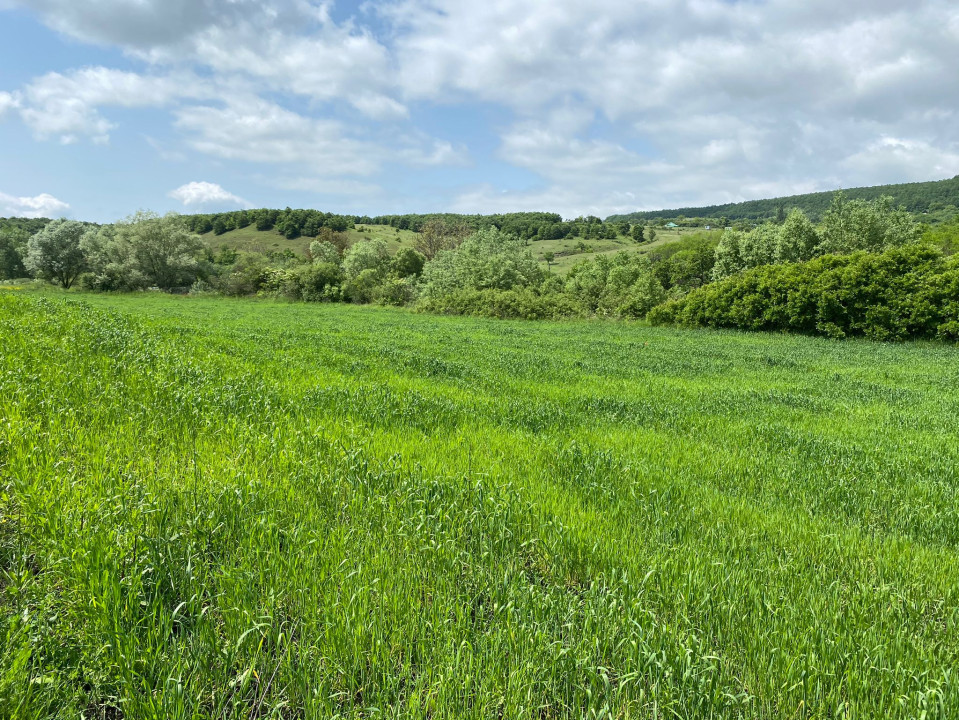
x: 395, y: 291
x: 906, y: 292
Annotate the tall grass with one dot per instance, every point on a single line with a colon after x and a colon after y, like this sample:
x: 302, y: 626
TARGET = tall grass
x: 217, y: 508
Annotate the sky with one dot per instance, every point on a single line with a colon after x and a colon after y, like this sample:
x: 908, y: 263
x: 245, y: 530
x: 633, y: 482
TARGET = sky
x: 110, y: 106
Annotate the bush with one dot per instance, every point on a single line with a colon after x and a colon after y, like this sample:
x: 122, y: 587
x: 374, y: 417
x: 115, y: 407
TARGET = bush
x: 395, y: 291
x: 906, y: 292
x: 487, y: 260
x: 247, y: 276
x: 623, y: 284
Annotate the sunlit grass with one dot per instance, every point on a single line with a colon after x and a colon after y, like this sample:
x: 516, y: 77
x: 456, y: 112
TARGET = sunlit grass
x: 218, y: 508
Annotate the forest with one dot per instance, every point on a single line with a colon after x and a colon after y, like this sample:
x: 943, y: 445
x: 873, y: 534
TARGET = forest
x: 935, y: 200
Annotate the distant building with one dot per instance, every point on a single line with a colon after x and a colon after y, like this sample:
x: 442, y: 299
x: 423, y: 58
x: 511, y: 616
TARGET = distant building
x: 709, y: 227
x: 671, y: 225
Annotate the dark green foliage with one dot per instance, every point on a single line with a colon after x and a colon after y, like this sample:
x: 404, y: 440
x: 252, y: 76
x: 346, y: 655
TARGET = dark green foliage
x: 247, y: 276
x: 407, y: 263
x: 527, y: 226
x: 31, y: 226
x: 933, y: 199
x: 904, y: 293
x: 686, y: 263
x: 316, y: 282
x: 290, y: 223
x: 13, y: 245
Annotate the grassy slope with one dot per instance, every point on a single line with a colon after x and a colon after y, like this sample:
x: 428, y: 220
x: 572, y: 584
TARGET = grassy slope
x: 567, y: 254
x: 235, y: 508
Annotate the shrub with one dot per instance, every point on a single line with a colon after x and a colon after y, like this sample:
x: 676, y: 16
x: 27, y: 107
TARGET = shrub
x: 906, y: 292
x: 487, y: 260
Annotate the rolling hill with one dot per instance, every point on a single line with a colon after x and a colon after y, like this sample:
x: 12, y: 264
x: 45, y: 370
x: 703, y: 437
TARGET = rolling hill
x: 936, y: 198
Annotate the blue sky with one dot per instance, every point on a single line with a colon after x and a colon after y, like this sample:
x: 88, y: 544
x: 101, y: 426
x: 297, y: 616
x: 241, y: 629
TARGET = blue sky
x: 109, y: 106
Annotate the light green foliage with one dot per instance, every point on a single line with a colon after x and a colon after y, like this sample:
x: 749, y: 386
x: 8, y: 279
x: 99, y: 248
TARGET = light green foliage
x: 729, y: 258
x: 686, y: 263
x: 759, y: 246
x: 366, y: 255
x: 226, y: 509
x: 361, y: 288
x: 313, y: 282
x: 486, y: 260
x: 848, y: 226
x: 798, y: 239
x: 248, y: 275
x: 54, y: 253
x: 944, y: 236
x: 325, y: 252
x: 851, y: 225
x: 111, y: 260
x: 622, y: 284
x: 143, y: 250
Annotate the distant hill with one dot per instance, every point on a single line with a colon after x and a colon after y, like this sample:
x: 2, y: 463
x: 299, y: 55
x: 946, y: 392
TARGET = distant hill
x: 939, y: 199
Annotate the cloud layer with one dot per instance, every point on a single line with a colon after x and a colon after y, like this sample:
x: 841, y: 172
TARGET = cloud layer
x: 602, y: 107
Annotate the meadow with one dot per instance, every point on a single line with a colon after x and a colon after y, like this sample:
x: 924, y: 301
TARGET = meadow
x: 215, y: 508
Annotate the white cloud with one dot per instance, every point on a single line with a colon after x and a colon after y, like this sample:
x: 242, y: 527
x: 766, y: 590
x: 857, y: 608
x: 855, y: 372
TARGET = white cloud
x: 206, y: 193
x: 8, y: 101
x: 284, y: 45
x: 604, y: 105
x: 903, y: 160
x: 43, y: 205
x: 379, y: 107
x: 255, y: 130
x: 729, y: 99
x: 67, y: 106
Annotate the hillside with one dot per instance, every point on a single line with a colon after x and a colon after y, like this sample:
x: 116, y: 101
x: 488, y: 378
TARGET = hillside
x: 567, y: 251
x: 939, y: 199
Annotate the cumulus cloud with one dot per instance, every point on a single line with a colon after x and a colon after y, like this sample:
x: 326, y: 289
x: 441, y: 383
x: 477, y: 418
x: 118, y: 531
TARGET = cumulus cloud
x: 726, y: 99
x: 605, y: 106
x: 43, y: 205
x: 206, y: 193
x: 67, y: 106
x: 257, y: 131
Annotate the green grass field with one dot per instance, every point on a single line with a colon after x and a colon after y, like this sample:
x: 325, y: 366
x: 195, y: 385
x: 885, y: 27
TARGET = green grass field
x: 214, y: 508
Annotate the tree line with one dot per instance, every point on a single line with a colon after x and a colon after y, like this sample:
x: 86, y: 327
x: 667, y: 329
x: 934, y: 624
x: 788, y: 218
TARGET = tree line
x: 866, y: 268
x: 939, y: 199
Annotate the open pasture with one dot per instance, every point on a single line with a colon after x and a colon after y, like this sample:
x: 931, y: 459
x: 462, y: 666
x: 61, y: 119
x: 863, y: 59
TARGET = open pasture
x: 218, y: 508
